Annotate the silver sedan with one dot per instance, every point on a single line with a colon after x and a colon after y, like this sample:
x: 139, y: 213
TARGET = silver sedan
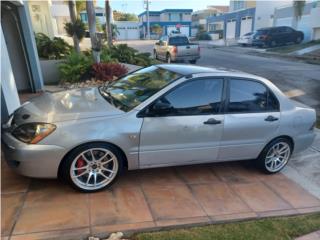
x: 163, y: 115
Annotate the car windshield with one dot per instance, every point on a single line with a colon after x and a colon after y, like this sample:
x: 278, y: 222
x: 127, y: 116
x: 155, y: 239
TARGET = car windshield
x: 248, y: 34
x: 178, y: 40
x: 131, y: 90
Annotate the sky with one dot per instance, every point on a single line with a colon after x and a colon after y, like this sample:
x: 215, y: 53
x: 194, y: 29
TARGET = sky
x: 136, y: 6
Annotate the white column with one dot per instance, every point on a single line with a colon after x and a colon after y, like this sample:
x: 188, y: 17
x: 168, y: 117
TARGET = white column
x: 8, y: 83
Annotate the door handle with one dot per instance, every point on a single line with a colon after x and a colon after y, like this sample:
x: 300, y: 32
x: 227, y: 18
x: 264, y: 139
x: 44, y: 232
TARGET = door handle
x: 212, y: 121
x: 271, y: 118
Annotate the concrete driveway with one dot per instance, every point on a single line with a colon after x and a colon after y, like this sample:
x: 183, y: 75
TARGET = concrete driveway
x: 147, y: 200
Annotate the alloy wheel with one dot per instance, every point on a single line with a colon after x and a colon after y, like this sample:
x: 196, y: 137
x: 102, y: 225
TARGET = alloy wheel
x: 277, y: 156
x: 94, y: 168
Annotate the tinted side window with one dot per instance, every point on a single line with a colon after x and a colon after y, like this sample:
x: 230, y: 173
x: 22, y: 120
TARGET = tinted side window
x: 198, y: 97
x: 250, y: 96
x: 288, y: 30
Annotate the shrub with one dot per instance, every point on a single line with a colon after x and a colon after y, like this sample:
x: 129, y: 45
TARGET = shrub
x: 106, y: 56
x: 56, y: 48
x: 74, y: 67
x: 203, y: 36
x: 125, y: 54
x: 107, y: 71
x: 78, y: 28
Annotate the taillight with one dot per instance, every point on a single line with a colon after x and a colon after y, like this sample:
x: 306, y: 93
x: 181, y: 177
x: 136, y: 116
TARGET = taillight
x: 263, y: 37
x: 175, y: 49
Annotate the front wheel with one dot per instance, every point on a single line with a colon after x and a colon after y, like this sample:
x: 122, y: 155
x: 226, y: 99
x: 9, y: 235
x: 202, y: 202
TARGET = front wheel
x: 275, y: 155
x: 92, y: 167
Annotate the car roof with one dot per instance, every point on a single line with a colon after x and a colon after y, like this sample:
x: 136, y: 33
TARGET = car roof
x: 185, y: 69
x: 270, y: 28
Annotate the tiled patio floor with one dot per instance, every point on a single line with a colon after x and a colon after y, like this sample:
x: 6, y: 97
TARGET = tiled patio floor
x: 147, y: 199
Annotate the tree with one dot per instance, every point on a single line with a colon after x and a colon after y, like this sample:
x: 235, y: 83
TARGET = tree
x: 157, y: 29
x: 81, y: 5
x: 95, y: 40
x: 121, y: 16
x: 298, y: 7
x: 108, y: 23
x: 73, y: 17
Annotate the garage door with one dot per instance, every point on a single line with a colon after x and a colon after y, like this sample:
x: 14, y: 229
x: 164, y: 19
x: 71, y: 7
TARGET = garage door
x: 183, y: 29
x: 128, y: 33
x: 316, y: 33
x: 246, y: 25
x: 231, y: 29
x: 133, y: 33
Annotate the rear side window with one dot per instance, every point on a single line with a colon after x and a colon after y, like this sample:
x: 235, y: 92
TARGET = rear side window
x: 198, y: 97
x: 248, y: 96
x: 177, y: 41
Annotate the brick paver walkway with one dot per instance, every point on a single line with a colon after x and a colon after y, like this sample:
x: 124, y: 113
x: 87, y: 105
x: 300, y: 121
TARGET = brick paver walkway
x: 147, y: 199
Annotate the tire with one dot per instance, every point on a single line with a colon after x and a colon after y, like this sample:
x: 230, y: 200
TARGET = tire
x: 193, y: 61
x: 273, y: 43
x: 102, y: 172
x: 298, y: 40
x: 272, y: 160
x: 155, y: 54
x: 168, y: 58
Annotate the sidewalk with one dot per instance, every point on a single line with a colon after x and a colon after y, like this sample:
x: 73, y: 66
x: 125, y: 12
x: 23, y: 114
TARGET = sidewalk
x: 310, y: 236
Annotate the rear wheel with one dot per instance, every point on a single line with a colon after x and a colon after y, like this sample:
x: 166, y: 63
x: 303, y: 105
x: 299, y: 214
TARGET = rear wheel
x: 168, y: 58
x: 193, y: 61
x: 298, y: 40
x: 275, y: 155
x: 92, y: 167
x: 273, y: 43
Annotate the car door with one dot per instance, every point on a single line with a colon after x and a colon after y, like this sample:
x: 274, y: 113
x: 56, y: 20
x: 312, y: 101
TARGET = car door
x: 189, y: 130
x: 251, y: 119
x: 289, y: 33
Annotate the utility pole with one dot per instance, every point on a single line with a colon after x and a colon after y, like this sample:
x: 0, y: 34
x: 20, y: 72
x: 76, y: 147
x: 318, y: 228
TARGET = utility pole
x: 148, y: 21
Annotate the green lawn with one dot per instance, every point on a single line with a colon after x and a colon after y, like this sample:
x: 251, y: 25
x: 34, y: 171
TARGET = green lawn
x: 292, y: 47
x: 269, y: 228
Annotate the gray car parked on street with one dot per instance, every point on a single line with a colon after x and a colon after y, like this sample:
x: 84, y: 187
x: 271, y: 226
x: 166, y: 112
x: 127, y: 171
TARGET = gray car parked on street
x: 162, y: 115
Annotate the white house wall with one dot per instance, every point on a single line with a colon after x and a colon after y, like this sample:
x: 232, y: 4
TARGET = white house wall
x: 309, y: 23
x: 264, y: 16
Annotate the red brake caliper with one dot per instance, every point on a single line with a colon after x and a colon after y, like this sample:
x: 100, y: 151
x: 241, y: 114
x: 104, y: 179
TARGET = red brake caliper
x: 80, y: 163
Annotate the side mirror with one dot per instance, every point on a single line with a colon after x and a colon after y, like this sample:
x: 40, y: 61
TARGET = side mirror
x: 161, y: 107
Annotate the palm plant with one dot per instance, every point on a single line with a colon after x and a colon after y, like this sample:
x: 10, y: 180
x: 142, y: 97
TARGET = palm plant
x: 77, y: 29
x: 298, y: 7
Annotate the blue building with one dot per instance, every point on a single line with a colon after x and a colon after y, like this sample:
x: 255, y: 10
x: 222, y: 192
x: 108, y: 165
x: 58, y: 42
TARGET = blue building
x: 233, y: 24
x: 168, y: 19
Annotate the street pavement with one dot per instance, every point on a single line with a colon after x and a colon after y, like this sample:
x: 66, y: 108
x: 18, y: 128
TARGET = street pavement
x: 299, y: 80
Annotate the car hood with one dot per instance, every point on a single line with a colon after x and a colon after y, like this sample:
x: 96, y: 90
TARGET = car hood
x: 65, y: 106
